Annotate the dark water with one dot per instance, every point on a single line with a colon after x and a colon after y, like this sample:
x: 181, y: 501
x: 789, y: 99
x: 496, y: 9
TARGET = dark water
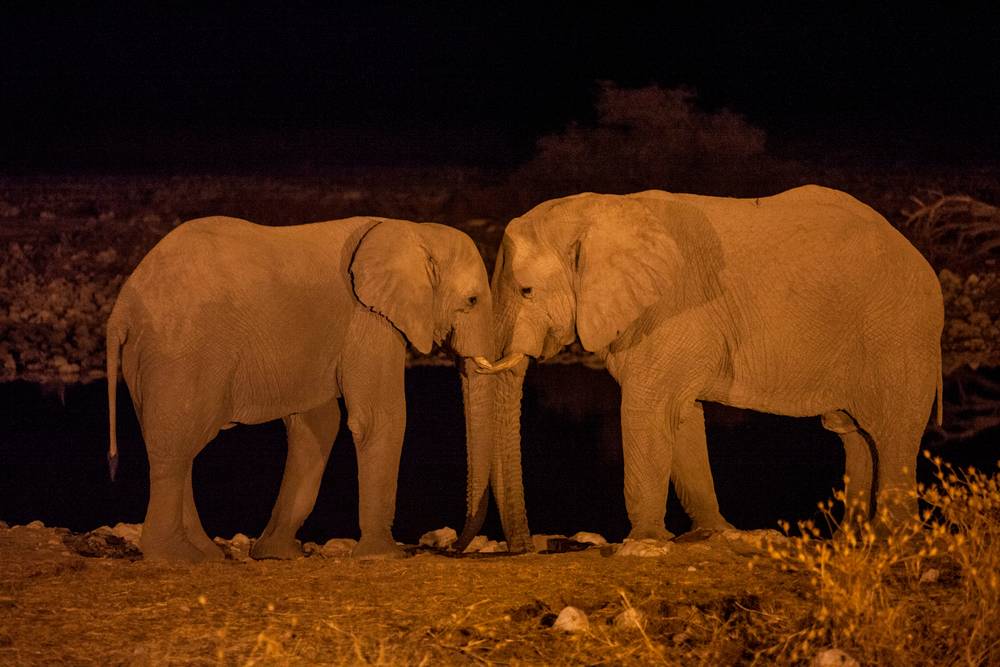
x: 766, y: 468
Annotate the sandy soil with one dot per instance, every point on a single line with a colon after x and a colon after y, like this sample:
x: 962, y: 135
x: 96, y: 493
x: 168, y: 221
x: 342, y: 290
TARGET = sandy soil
x: 713, y: 601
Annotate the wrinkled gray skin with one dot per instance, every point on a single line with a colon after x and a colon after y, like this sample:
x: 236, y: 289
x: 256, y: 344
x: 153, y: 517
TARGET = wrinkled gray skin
x: 804, y: 303
x: 227, y: 322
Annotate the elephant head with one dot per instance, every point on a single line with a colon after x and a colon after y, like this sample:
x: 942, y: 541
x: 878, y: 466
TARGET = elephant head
x: 584, y: 268
x: 430, y: 282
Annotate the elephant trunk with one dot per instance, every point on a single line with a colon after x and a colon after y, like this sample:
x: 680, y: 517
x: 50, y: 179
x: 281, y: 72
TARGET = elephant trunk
x: 505, y: 476
x: 477, y: 395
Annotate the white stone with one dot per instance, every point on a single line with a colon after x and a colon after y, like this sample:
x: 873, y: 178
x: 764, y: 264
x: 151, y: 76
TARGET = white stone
x: 493, y: 547
x: 692, y: 568
x: 541, y: 541
x: 590, y: 538
x: 571, y: 619
x: 630, y: 619
x: 647, y: 548
x: 130, y: 532
x: 240, y: 541
x: 36, y: 524
x: 477, y: 543
x: 833, y: 657
x: 339, y: 547
x: 930, y: 576
x: 442, y: 538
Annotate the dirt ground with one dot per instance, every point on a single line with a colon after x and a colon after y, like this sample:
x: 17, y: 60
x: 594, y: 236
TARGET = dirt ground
x: 712, y: 601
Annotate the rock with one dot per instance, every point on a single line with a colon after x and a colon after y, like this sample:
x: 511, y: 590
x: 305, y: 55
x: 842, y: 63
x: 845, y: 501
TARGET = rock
x: 493, y: 547
x: 338, y: 547
x: 130, y: 532
x: 541, y: 542
x: 240, y: 541
x: 930, y: 576
x: 477, y: 543
x: 833, y: 657
x: 571, y: 619
x: 590, y: 538
x: 630, y: 619
x: 442, y: 538
x: 756, y: 539
x: 647, y: 548
x: 35, y: 524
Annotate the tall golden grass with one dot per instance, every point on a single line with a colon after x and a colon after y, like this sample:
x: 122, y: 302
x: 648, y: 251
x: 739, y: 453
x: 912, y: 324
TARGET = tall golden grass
x: 921, y: 591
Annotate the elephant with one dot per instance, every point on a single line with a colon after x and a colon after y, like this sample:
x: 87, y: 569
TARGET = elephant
x: 803, y: 303
x: 228, y: 322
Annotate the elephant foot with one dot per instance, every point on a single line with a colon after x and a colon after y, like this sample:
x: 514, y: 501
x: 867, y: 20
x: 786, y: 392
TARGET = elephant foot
x: 715, y: 525
x: 178, y: 551
x: 650, y: 533
x: 520, y: 544
x: 377, y: 549
x: 267, y: 548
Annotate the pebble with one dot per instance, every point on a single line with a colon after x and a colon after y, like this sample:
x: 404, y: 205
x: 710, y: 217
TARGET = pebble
x: 477, y: 543
x: 339, y: 547
x: 35, y: 524
x: 631, y: 618
x: 590, y: 538
x: 833, y: 657
x: 442, y: 538
x: 493, y: 547
x: 930, y: 576
x: 571, y: 619
x: 647, y: 548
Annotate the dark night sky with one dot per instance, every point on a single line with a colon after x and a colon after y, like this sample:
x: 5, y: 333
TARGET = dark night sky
x: 119, y: 85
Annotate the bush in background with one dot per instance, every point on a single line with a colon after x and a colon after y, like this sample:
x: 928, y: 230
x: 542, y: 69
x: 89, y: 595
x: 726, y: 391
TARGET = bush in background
x: 654, y: 138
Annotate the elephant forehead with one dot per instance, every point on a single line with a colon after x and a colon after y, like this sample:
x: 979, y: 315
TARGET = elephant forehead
x: 533, y: 267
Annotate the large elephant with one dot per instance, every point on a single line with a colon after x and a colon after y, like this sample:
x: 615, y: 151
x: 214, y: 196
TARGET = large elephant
x: 803, y: 303
x: 228, y: 322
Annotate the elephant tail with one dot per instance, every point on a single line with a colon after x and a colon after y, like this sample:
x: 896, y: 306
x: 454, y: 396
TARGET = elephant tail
x: 114, y: 341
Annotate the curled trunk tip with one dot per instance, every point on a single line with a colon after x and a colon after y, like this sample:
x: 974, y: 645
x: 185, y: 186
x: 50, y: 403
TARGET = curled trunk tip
x: 473, y: 523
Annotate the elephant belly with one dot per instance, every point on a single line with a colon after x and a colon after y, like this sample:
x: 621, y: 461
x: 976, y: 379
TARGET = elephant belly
x: 794, y: 383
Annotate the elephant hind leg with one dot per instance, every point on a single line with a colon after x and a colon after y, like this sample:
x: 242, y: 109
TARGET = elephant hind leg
x: 310, y: 438
x: 881, y: 454
x: 192, y: 524
x: 860, y: 463
x: 163, y: 533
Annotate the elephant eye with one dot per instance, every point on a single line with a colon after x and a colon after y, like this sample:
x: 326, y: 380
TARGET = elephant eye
x: 526, y: 291
x: 472, y: 300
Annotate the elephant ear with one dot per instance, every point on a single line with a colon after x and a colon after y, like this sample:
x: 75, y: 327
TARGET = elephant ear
x: 632, y: 256
x: 394, y: 275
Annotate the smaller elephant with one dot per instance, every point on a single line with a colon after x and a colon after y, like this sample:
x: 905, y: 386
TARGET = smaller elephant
x: 226, y: 322
x: 804, y: 303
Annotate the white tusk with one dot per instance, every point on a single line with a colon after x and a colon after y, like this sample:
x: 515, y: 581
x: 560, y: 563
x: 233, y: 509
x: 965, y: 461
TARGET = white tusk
x: 509, y: 361
x: 483, y: 363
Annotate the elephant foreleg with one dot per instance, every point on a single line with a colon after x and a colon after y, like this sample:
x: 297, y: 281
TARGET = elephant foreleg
x: 310, y: 438
x: 376, y: 414
x: 647, y: 447
x: 692, y: 474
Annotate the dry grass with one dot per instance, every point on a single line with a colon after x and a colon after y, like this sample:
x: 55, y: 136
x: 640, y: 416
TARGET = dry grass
x: 924, y: 591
